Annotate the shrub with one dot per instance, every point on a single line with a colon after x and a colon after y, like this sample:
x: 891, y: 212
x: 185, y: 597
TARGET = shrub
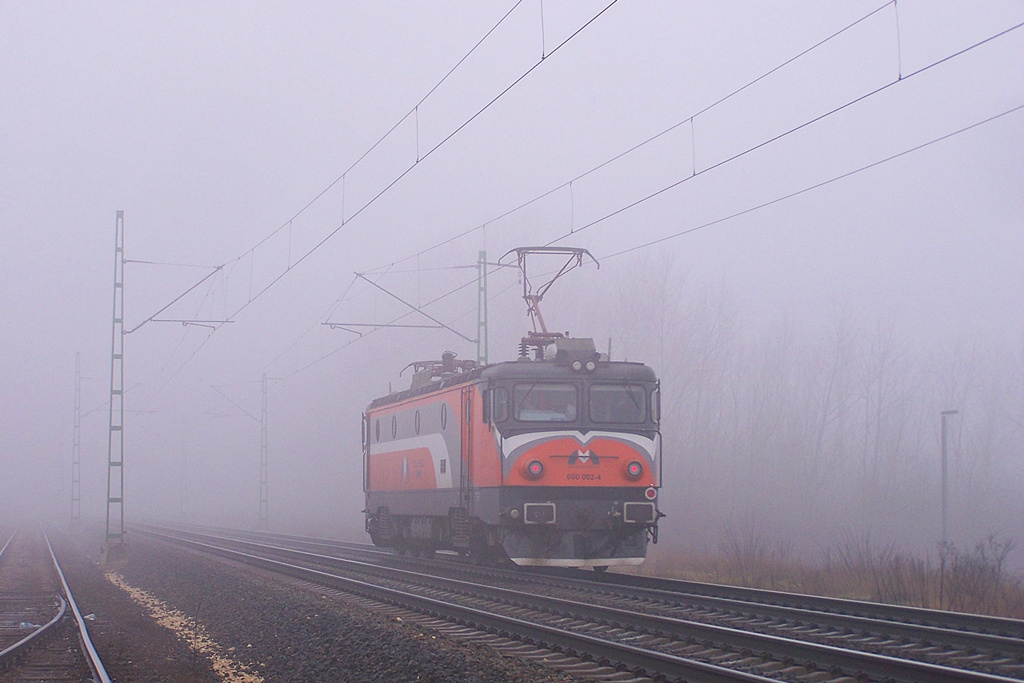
x: 974, y: 580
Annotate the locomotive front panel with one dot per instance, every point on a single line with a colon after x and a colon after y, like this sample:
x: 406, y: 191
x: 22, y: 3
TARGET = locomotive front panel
x: 581, y: 463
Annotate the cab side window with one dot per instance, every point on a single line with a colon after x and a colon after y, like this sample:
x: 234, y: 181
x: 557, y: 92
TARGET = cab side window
x: 501, y: 407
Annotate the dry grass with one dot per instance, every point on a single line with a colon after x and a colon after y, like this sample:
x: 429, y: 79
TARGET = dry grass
x: 974, y: 579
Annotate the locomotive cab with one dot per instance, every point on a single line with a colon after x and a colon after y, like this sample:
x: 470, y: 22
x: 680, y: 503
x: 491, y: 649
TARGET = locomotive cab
x: 581, y: 463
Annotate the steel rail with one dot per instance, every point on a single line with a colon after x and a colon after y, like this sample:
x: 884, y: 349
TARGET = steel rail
x: 1006, y: 641
x: 854, y: 661
x: 92, y: 658
x: 13, y: 650
x: 978, y: 623
x: 636, y: 658
x: 990, y: 633
x: 331, y: 544
x: 4, y: 549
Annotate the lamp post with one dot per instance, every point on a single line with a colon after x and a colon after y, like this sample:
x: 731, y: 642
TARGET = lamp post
x: 945, y: 488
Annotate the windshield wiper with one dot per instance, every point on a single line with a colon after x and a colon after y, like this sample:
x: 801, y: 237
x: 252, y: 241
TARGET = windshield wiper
x: 519, y: 406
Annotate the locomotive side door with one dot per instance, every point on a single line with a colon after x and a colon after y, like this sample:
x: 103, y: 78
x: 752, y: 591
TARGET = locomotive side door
x: 466, y: 429
x: 366, y: 453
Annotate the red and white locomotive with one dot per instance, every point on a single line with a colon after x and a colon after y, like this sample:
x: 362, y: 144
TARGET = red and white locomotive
x: 552, y: 461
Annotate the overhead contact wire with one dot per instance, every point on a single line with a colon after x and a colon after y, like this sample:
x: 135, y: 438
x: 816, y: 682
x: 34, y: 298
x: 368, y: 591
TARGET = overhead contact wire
x: 816, y: 185
x: 784, y: 134
x: 394, y: 320
x: 384, y: 137
x: 433, y: 149
x: 688, y: 120
x: 345, y: 221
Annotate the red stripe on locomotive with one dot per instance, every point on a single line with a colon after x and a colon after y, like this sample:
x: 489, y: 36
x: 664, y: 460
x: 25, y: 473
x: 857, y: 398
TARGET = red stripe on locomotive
x: 568, y: 462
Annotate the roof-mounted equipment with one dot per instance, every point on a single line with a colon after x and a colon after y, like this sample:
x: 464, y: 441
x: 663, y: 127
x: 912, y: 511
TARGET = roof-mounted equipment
x: 539, y: 338
x: 426, y: 371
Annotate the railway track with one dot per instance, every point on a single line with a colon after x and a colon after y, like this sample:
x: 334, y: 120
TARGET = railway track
x: 42, y: 633
x: 673, y: 630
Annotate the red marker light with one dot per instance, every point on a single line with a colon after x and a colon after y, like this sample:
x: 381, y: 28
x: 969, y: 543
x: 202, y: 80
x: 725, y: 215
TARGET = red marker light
x: 634, y: 470
x: 651, y: 493
x: 535, y: 469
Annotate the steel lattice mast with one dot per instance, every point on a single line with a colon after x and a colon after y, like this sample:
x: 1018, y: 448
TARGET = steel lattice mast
x: 76, y: 446
x: 481, y: 310
x: 263, y: 459
x: 115, y: 438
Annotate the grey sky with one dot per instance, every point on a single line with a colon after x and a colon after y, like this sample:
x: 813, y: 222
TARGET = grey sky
x: 212, y: 124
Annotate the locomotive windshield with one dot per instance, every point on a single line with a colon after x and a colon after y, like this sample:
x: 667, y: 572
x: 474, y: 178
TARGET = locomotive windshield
x: 552, y: 402
x: 537, y: 402
x: 622, y: 403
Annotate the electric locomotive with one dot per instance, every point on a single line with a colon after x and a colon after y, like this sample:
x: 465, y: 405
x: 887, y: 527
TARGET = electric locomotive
x: 549, y: 460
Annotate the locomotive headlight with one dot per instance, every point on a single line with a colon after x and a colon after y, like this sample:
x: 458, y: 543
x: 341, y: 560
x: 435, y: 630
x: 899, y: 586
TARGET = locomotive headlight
x: 535, y: 469
x: 591, y: 366
x: 634, y: 470
x: 577, y: 365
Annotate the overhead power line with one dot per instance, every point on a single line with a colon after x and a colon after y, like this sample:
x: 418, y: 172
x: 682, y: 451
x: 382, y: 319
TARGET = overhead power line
x: 390, y: 267
x: 801, y: 126
x: 384, y: 137
x: 164, y: 263
x: 176, y: 299
x: 816, y: 186
x: 687, y: 120
x: 681, y: 233
x: 320, y: 194
x: 860, y: 98
x: 393, y: 321
x: 899, y: 79
x: 400, y: 176
x: 420, y: 157
x: 415, y: 308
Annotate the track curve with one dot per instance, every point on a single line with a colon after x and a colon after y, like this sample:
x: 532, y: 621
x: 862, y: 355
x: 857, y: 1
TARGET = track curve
x: 37, y: 641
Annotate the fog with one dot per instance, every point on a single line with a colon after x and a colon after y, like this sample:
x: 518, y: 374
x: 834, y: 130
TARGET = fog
x: 816, y: 264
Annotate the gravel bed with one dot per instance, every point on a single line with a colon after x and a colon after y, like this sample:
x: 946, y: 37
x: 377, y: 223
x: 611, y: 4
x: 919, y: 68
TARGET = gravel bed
x: 131, y: 645
x: 287, y: 631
